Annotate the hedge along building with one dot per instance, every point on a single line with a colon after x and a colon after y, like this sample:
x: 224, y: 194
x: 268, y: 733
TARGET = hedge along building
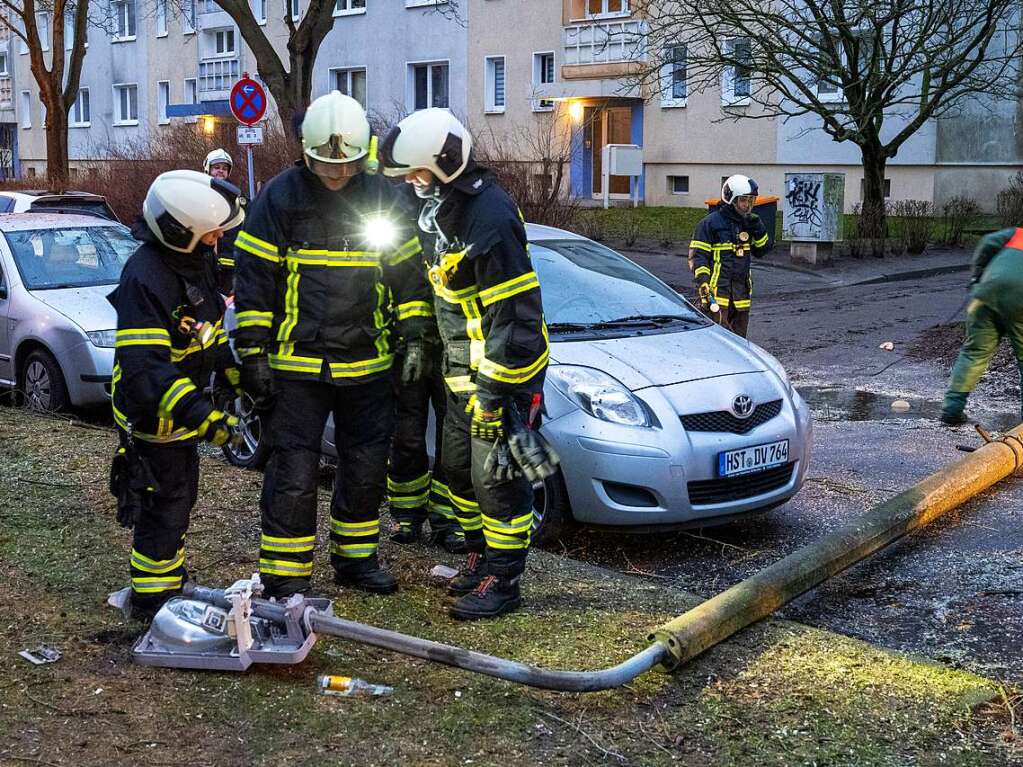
x: 580, y: 60
x: 154, y: 64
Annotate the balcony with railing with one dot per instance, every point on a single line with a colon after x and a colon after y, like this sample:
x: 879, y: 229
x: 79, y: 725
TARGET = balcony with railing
x: 217, y: 76
x: 604, y: 42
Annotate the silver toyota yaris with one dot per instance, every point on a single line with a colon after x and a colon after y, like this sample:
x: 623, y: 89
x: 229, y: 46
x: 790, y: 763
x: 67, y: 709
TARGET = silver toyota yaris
x: 661, y: 417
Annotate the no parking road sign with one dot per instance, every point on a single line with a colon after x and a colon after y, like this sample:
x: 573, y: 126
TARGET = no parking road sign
x: 248, y: 101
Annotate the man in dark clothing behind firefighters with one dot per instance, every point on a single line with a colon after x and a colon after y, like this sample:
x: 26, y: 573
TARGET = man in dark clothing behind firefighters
x: 169, y: 342
x: 313, y: 285
x: 719, y: 254
x: 487, y: 302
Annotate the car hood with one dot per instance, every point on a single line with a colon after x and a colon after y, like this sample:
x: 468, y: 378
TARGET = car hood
x: 662, y: 359
x: 86, y: 307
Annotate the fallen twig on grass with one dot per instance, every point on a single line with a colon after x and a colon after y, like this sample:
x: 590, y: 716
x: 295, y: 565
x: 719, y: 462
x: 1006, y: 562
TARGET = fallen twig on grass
x: 32, y: 759
x: 581, y: 731
x: 723, y: 544
x: 633, y: 570
x: 43, y: 482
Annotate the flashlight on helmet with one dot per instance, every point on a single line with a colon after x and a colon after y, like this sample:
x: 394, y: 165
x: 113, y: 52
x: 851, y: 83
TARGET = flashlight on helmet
x: 379, y: 232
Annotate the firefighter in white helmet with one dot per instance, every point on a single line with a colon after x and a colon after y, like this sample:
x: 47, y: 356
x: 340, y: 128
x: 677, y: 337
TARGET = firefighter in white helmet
x: 720, y: 254
x: 218, y: 164
x: 169, y: 341
x: 490, y: 317
x: 327, y: 247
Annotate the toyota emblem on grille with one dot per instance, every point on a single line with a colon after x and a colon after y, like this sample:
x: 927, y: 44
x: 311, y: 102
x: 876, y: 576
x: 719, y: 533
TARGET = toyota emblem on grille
x: 742, y: 406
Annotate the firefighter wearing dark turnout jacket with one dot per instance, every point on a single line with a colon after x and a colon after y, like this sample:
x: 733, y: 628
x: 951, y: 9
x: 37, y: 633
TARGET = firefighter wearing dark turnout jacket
x: 313, y: 294
x: 720, y: 254
x: 219, y: 164
x: 490, y: 317
x: 169, y: 342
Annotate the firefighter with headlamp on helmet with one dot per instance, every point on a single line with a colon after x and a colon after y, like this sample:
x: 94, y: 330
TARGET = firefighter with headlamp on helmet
x: 169, y: 342
x: 720, y: 254
x: 313, y: 292
x: 490, y: 317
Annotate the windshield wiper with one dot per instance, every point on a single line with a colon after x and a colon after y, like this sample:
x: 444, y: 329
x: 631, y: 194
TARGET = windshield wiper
x: 648, y: 319
x: 567, y: 326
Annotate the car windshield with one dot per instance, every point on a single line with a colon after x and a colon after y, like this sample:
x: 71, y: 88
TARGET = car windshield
x: 586, y: 285
x: 71, y: 257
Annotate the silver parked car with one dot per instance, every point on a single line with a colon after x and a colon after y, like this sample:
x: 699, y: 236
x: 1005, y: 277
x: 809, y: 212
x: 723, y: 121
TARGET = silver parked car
x: 56, y: 325
x: 661, y: 418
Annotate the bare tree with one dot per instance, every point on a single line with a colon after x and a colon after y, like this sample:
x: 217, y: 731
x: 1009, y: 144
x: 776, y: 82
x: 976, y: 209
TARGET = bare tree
x: 43, y: 27
x: 874, y: 71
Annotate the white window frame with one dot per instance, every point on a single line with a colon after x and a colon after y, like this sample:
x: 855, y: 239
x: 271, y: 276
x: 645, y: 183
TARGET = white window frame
x: 490, y: 92
x: 188, y: 17
x: 25, y: 108
x: 43, y: 26
x: 605, y: 13
x: 671, y: 184
x: 5, y: 69
x: 728, y: 97
x: 295, y: 7
x: 162, y: 102
x: 334, y: 72
x: 161, y: 18
x: 259, y: 10
x: 119, y: 122
x: 543, y: 105
x: 668, y: 99
x: 223, y: 34
x: 410, y: 82
x: 348, y: 9
x: 122, y: 15
x: 74, y: 120
x: 190, y: 83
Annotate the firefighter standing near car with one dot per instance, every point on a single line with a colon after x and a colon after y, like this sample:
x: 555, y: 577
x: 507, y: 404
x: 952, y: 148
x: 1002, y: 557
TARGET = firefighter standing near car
x: 488, y: 308
x: 218, y: 164
x: 720, y: 254
x: 313, y: 290
x: 169, y: 342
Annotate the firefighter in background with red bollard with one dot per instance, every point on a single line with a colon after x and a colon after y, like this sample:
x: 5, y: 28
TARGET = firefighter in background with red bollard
x: 490, y: 317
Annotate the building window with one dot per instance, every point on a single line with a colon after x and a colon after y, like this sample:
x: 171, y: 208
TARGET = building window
x: 678, y: 184
x: 429, y: 85
x: 543, y: 74
x: 735, y: 90
x: 223, y: 42
x: 259, y: 11
x: 188, y: 17
x: 163, y: 93
x: 161, y: 18
x: 674, y: 84
x: 4, y: 66
x: 349, y: 7
x: 494, y: 85
x: 887, y: 188
x: 81, y: 113
x: 191, y: 94
x: 294, y: 7
x: 599, y: 8
x: 43, y: 25
x: 126, y: 104
x: 26, y: 109
x: 351, y: 82
x: 124, y: 19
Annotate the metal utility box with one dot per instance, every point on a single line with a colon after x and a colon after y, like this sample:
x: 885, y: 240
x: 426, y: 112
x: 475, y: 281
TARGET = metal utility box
x: 813, y: 207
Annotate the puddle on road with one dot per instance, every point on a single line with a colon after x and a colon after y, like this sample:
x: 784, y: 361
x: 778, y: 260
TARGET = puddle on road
x: 833, y: 403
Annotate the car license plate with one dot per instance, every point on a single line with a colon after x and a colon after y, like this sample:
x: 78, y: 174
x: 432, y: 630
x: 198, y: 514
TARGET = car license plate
x: 746, y: 460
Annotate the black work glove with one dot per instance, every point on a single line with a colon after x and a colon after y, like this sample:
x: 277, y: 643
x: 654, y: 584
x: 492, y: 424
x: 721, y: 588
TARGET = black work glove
x: 133, y: 484
x: 416, y: 363
x: 487, y: 418
x: 499, y: 465
x: 257, y: 381
x: 534, y: 455
x: 753, y: 219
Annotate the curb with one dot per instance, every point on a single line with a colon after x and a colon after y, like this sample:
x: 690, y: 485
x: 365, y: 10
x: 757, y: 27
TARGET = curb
x: 912, y: 275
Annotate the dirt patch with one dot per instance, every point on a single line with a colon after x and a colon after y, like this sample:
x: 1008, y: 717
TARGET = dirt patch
x: 941, y: 344
x: 778, y: 694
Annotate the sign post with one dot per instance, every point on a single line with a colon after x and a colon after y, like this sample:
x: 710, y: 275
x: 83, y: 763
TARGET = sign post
x: 248, y: 105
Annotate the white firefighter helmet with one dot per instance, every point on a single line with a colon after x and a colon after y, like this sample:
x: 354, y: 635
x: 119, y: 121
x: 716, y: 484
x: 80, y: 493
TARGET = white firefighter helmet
x: 334, y: 131
x: 183, y: 205
x: 430, y: 139
x: 217, y: 157
x: 738, y: 186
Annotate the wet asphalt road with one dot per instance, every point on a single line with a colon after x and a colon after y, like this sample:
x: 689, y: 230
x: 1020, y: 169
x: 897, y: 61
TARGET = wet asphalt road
x: 952, y: 592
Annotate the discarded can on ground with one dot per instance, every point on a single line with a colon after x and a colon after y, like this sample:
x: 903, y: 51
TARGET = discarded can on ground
x: 347, y: 686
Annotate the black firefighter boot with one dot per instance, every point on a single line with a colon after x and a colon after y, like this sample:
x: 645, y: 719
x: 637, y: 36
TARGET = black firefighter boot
x: 367, y: 576
x: 448, y: 537
x: 496, y: 595
x: 469, y: 576
x: 409, y: 531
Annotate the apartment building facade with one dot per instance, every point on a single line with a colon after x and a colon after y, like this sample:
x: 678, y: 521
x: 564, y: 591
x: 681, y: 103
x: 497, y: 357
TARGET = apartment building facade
x: 161, y: 62
x: 576, y: 61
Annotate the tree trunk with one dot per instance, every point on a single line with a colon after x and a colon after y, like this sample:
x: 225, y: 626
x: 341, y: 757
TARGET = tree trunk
x: 872, y: 212
x: 56, y: 144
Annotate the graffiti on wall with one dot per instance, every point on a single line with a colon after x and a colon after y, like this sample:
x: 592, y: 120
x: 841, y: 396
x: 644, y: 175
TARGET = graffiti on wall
x: 813, y: 206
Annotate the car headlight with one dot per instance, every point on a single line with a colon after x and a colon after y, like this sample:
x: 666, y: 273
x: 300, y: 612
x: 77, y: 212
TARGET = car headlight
x: 600, y: 395
x: 102, y: 338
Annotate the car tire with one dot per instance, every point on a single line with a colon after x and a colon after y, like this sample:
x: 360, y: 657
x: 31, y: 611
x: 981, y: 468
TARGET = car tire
x: 42, y: 384
x: 254, y: 451
x: 552, y: 514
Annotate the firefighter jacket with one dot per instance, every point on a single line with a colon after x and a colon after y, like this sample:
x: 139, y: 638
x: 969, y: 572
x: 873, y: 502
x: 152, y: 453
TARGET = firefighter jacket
x: 998, y: 273
x: 487, y: 296
x: 311, y: 292
x: 225, y: 260
x: 722, y: 246
x: 170, y: 340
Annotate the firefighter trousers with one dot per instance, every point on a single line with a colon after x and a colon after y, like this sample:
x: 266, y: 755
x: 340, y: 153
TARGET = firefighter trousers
x: 413, y: 492
x: 157, y: 561
x: 496, y: 517
x: 363, y: 415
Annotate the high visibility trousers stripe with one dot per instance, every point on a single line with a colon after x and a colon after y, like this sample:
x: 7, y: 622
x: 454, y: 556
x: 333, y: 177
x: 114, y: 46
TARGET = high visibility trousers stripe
x: 354, y: 540
x: 468, y: 513
x: 510, y: 535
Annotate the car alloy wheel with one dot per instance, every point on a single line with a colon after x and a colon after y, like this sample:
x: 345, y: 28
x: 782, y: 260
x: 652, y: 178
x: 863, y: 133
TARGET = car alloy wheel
x: 38, y: 386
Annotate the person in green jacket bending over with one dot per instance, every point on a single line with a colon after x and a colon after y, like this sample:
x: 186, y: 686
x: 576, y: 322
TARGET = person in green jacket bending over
x: 996, y: 310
